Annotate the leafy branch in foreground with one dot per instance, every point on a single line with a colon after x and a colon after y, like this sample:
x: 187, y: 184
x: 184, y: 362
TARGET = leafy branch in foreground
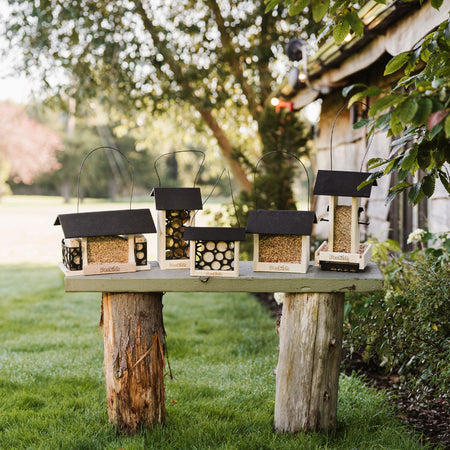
x: 417, y: 110
x: 344, y: 15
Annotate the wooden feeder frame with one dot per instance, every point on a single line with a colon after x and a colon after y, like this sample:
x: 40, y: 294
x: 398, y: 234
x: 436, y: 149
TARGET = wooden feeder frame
x: 216, y: 235
x: 281, y: 224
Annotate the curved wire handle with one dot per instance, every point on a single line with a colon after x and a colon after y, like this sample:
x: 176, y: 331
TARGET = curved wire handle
x: 180, y: 151
x: 331, y: 137
x: 287, y: 153
x: 82, y: 164
x: 231, y: 193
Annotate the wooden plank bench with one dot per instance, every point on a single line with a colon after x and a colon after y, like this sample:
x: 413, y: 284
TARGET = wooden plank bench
x: 310, y: 338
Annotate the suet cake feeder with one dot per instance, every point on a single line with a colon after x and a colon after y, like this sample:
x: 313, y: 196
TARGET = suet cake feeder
x: 175, y: 208
x: 214, y: 251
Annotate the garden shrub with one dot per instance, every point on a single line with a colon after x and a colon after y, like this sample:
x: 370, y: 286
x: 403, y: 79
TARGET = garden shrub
x: 406, y: 328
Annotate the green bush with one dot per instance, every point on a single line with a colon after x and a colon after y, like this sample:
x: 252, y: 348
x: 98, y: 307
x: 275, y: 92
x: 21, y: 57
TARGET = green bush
x: 406, y: 328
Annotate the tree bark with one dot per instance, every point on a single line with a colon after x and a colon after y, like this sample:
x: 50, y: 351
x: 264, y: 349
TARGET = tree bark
x: 309, y: 361
x: 133, y: 333
x: 227, y: 150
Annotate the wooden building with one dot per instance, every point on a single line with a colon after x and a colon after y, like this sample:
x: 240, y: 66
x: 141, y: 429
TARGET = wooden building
x: 389, y: 30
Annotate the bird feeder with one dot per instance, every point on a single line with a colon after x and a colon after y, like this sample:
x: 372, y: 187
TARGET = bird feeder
x: 175, y: 208
x: 214, y: 251
x: 343, y: 250
x: 105, y: 241
x: 281, y: 238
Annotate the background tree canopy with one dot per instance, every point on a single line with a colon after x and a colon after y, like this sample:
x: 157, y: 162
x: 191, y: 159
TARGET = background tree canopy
x: 134, y: 56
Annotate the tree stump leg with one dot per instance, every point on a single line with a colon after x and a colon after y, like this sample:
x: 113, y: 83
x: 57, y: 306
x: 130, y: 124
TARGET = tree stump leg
x: 308, y: 365
x: 133, y: 333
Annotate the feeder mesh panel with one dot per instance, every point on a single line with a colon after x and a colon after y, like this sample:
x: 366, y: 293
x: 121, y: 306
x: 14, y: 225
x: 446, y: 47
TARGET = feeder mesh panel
x: 214, y: 255
x: 176, y: 246
x: 140, y: 253
x: 71, y: 257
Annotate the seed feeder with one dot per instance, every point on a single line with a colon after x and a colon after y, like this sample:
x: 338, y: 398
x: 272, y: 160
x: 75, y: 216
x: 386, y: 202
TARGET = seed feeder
x: 281, y: 238
x: 175, y: 208
x: 105, y: 241
x: 343, y: 251
x: 214, y: 251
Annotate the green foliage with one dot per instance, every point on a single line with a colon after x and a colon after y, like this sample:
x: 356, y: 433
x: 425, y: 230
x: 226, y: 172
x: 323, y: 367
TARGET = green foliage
x: 406, y: 328
x: 222, y: 350
x: 139, y: 59
x: 344, y: 14
x: 418, y: 108
x: 137, y: 55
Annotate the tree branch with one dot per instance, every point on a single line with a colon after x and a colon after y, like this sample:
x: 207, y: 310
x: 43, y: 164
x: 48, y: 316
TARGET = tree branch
x: 233, y: 60
x: 222, y: 140
x: 227, y: 149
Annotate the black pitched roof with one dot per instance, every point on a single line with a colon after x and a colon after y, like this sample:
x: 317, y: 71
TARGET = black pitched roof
x: 214, y: 233
x: 281, y: 222
x: 342, y: 183
x: 176, y: 198
x: 106, y: 223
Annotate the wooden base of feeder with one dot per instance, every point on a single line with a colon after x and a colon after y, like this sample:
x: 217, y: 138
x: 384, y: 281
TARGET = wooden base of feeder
x: 308, y: 365
x: 73, y: 273
x: 343, y: 261
x: 194, y: 272
x: 168, y: 264
x: 133, y: 333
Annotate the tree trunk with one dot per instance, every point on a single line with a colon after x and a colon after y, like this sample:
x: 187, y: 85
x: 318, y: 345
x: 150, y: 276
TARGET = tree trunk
x: 309, y: 361
x: 227, y: 150
x: 133, y: 333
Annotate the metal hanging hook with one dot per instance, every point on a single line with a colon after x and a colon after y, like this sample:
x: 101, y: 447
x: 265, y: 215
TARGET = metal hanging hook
x: 286, y: 153
x: 130, y: 167
x: 331, y: 137
x: 231, y: 193
x: 180, y: 151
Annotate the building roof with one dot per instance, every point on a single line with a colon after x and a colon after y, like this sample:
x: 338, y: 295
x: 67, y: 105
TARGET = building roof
x: 177, y: 198
x: 388, y: 29
x: 106, y: 223
x: 281, y: 222
x: 342, y: 183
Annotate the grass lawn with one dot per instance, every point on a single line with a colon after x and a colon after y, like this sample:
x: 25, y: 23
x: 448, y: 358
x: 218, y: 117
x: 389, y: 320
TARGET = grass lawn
x: 222, y: 350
